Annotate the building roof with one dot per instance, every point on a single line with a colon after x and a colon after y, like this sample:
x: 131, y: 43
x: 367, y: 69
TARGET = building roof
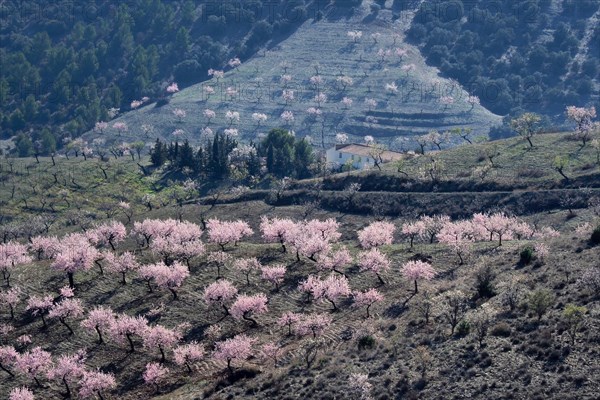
x: 364, y: 150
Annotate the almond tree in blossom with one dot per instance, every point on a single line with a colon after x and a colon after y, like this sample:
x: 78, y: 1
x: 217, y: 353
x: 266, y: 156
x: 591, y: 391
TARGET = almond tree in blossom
x: 11, y: 298
x: 216, y: 74
x: 313, y: 324
x: 11, y: 255
x: 209, y: 115
x: 259, y: 118
x: 459, y: 236
x: 418, y: 270
x: 125, y: 327
x: 8, y: 357
x: 169, y: 277
x: 220, y: 293
x: 376, y: 234
x: 238, y: 348
x: 76, y: 254
x: 110, y: 233
x: 355, y: 35
x: 188, y: 354
x: 121, y: 264
x: 582, y: 117
x: 289, y: 319
x: 44, y: 246
x: 95, y: 383
x: 173, y: 88
x: 374, y: 261
x: 40, y: 306
x: 367, y: 298
x: 155, y: 374
x: 277, y: 230
x: 21, y: 393
x: 225, y: 232
x: 100, y: 127
x: 414, y: 230
x: 335, y: 261
x: 220, y: 259
x: 100, y: 319
x: 68, y: 368
x: 274, y: 275
x: 120, y: 127
x: 287, y: 117
x: 333, y: 288
x: 497, y: 223
x: 433, y: 225
x: 34, y: 363
x: 160, y: 337
x: 270, y: 352
x: 245, y: 307
x: 66, y: 309
x: 246, y: 266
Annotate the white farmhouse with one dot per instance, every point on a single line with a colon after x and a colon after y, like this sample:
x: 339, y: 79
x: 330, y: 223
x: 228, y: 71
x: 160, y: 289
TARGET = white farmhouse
x: 360, y: 155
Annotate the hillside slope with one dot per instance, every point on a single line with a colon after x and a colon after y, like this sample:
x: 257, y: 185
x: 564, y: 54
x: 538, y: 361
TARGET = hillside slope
x: 323, y: 48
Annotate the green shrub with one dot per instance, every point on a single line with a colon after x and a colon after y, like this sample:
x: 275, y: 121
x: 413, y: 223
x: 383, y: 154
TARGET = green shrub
x: 526, y: 255
x: 463, y: 328
x: 595, y: 238
x: 501, y: 329
x: 366, y: 342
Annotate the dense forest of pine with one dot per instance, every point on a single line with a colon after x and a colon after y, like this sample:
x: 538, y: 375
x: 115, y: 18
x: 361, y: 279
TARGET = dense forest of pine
x: 516, y: 55
x: 65, y: 64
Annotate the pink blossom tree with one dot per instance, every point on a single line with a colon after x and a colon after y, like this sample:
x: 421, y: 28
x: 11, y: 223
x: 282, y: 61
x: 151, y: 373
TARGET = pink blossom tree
x: 95, y: 383
x: 155, y: 374
x: 68, y: 368
x: 160, y: 337
x: 374, y: 261
x: 66, y: 309
x: 220, y: 259
x: 418, y: 270
x: 170, y: 277
x: 367, y: 299
x: 11, y: 298
x: 8, y: 357
x: 21, y: 393
x: 245, y: 307
x: 434, y: 224
x: 270, y: 352
x: 334, y: 287
x: 11, y: 255
x: 246, y: 266
x: 188, y: 354
x: 376, y: 234
x: 34, y: 363
x: 121, y: 264
x: 582, y: 117
x: 44, y: 246
x: 313, y: 324
x: 76, y: 254
x: 289, y: 319
x: 125, y: 327
x: 99, y: 319
x: 220, y: 293
x: 238, y: 348
x: 459, y: 236
x: 277, y: 230
x: 414, y: 230
x: 40, y: 306
x: 335, y: 261
x: 274, y: 275
x: 225, y: 232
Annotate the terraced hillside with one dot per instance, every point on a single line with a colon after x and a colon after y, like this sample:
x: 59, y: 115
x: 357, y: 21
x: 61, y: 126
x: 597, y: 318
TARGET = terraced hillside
x: 415, y: 102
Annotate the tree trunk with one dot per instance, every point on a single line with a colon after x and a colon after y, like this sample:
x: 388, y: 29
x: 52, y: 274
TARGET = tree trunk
x: 6, y: 370
x: 71, y: 282
x: 131, y: 348
x: 416, y: 287
x: 100, y: 339
x: 174, y: 293
x: 62, y: 321
x: 248, y: 318
x: 162, y: 355
x: 123, y: 281
x: 68, y: 393
x: 380, y: 279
